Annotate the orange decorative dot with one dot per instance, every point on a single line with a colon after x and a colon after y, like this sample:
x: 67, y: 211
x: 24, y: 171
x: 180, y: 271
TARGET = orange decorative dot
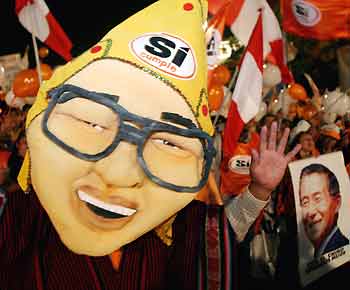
x: 188, y: 6
x: 205, y: 110
x: 96, y: 49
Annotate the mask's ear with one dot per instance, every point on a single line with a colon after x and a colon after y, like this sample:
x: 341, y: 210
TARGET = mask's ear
x: 210, y: 193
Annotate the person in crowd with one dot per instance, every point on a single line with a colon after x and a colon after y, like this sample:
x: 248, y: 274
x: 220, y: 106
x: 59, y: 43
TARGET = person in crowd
x: 284, y: 123
x: 4, y: 156
x: 330, y: 135
x: 320, y: 201
x: 4, y: 168
x: 18, y: 152
x: 308, y: 147
x: 267, y: 121
x: 345, y: 148
x: 10, y: 127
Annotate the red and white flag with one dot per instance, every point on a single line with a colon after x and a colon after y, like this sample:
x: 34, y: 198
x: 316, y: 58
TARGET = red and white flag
x: 36, y: 17
x: 233, y: 9
x: 247, y: 95
x: 242, y: 18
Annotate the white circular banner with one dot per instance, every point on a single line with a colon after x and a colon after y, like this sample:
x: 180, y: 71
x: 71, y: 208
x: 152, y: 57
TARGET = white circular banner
x: 306, y: 13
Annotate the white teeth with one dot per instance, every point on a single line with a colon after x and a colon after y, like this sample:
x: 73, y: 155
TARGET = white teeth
x: 106, y: 206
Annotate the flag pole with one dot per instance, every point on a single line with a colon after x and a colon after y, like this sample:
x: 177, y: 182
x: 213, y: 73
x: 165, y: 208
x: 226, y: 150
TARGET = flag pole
x: 228, y: 95
x: 35, y: 46
x: 36, y: 53
x: 285, y: 55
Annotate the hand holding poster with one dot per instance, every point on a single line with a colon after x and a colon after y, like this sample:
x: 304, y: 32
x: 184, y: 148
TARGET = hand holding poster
x: 322, y: 201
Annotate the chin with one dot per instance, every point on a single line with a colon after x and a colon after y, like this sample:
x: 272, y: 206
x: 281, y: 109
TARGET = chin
x: 82, y: 246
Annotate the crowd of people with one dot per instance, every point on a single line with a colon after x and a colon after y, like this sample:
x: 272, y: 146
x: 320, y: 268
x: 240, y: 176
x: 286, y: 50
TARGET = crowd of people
x: 278, y: 220
x: 269, y: 254
x: 12, y: 146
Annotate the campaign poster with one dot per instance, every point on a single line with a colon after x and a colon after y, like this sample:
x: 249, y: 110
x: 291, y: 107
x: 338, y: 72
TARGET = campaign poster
x: 322, y: 200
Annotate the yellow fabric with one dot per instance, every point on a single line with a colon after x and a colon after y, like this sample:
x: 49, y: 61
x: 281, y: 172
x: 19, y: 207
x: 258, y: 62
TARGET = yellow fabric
x: 120, y: 43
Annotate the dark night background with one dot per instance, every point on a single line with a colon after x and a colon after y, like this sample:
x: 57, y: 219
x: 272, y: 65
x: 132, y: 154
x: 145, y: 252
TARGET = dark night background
x: 86, y: 22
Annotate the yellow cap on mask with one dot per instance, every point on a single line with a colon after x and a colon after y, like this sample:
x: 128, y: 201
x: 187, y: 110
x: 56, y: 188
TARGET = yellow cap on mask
x: 165, y: 40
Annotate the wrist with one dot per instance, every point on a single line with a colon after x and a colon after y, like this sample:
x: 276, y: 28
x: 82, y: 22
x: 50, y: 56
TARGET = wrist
x: 259, y: 191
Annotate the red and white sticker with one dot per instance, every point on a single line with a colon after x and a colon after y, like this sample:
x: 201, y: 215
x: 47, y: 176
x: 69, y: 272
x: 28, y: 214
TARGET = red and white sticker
x: 169, y: 54
x: 306, y: 13
x: 240, y: 164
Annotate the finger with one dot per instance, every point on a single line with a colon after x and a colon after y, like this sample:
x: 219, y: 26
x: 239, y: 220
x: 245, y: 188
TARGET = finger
x: 292, y: 153
x: 263, y: 138
x: 255, y: 157
x: 272, y: 137
x: 283, y: 142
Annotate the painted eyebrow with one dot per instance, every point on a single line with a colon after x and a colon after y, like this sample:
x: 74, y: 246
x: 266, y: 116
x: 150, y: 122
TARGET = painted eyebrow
x: 177, y: 119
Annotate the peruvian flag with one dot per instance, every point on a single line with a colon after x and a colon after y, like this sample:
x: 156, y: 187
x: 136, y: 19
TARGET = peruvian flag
x: 241, y: 19
x: 274, y: 43
x: 247, y: 95
x: 243, y: 24
x: 36, y: 17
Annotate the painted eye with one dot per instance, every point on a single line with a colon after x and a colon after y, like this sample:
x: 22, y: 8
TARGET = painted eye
x: 165, y: 142
x: 97, y: 127
x: 94, y: 125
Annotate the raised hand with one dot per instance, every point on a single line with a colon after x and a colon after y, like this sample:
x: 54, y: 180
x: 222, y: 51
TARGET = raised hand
x: 270, y: 163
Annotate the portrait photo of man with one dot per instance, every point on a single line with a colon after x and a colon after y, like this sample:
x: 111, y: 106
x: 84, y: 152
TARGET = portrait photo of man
x: 320, y: 201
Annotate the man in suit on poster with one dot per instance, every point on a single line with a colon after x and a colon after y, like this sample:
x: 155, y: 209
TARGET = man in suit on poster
x: 320, y: 201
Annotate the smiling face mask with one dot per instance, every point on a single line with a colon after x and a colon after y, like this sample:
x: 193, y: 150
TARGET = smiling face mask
x: 119, y: 138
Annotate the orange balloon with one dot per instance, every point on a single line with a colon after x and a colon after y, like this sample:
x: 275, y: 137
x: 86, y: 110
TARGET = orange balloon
x: 297, y: 92
x: 46, y: 71
x: 215, y: 97
x: 221, y: 75
x: 309, y: 111
x: 43, y: 52
x: 26, y: 84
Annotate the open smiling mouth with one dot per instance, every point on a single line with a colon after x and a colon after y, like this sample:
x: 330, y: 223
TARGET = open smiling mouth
x: 103, y: 209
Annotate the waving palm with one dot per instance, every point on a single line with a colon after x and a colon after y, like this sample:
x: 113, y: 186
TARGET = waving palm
x: 269, y: 164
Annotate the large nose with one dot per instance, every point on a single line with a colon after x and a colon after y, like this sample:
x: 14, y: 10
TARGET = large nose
x: 121, y: 168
